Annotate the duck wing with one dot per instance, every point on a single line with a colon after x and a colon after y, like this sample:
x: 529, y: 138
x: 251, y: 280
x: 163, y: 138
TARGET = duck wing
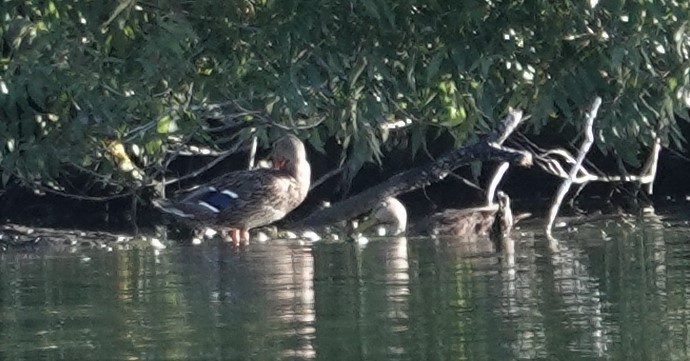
x: 458, y: 222
x: 242, y: 199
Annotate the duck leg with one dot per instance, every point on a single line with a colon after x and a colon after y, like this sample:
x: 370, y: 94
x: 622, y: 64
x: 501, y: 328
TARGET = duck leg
x: 234, y: 235
x: 245, y: 236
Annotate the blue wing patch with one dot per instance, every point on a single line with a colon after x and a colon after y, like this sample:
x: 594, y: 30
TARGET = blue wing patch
x: 219, y: 200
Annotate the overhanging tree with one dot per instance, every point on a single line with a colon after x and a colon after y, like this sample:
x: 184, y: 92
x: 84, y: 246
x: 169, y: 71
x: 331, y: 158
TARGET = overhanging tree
x: 114, y: 93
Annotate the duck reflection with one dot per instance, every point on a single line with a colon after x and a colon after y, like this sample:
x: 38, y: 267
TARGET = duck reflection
x: 618, y: 296
x: 454, y: 298
x: 261, y: 300
x: 361, y: 299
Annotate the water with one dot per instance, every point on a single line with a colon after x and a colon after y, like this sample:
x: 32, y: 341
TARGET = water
x: 613, y: 290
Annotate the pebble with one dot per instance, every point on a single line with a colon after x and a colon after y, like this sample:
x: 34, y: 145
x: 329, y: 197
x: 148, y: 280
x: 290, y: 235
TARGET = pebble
x: 260, y: 237
x: 210, y: 232
x: 360, y: 239
x: 157, y: 244
x: 312, y: 236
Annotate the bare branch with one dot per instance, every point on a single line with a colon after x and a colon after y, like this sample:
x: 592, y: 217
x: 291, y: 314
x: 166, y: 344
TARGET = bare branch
x: 466, y: 181
x: 548, y: 163
x: 208, y: 166
x: 649, y: 170
x: 194, y: 151
x: 495, y: 180
x: 506, y: 127
x: 584, y: 149
x: 252, y: 151
x: 81, y: 197
x: 133, y: 133
x: 236, y: 118
x: 325, y: 177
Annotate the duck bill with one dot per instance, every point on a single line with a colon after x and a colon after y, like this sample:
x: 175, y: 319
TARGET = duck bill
x: 367, y: 224
x: 279, y: 164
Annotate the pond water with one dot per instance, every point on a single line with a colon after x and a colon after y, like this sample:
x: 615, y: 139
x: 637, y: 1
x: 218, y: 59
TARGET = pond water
x: 614, y: 289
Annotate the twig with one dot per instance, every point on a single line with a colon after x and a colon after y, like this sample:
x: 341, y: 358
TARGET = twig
x: 230, y: 121
x: 495, y: 180
x: 453, y: 175
x: 190, y: 95
x: 81, y: 197
x: 252, y: 151
x: 549, y: 164
x: 194, y: 151
x: 102, y: 178
x: 651, y: 165
x: 466, y: 181
x: 208, y: 166
x: 233, y: 120
x: 579, y: 190
x: 325, y: 177
x: 135, y: 131
x: 565, y: 186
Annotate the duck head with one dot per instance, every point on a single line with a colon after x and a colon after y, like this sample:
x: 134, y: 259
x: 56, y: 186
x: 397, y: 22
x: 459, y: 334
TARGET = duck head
x: 505, y: 213
x: 390, y: 216
x: 290, y: 156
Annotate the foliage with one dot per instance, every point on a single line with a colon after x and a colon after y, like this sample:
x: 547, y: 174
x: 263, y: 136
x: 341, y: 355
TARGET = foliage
x: 111, y: 91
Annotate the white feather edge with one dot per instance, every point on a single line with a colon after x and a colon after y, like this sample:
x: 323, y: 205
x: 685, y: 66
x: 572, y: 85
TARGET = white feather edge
x: 180, y: 213
x: 212, y: 208
x: 176, y: 212
x: 230, y: 193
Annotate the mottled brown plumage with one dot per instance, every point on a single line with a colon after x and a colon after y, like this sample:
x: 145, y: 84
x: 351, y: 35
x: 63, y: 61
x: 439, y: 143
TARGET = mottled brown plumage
x: 458, y: 222
x: 391, y: 216
x: 247, y: 199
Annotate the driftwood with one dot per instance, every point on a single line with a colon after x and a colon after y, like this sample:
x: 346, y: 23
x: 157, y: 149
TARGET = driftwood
x: 584, y: 149
x: 495, y: 180
x: 18, y: 236
x: 487, y: 149
x: 580, y: 175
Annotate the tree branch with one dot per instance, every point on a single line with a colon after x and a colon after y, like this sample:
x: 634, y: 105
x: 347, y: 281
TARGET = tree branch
x: 495, y: 180
x: 584, y: 149
x: 420, y: 176
x: 81, y: 197
x: 208, y: 166
x: 325, y: 177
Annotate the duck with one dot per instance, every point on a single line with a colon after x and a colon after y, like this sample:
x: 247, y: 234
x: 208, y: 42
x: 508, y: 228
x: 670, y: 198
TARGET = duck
x: 242, y: 200
x: 390, y: 215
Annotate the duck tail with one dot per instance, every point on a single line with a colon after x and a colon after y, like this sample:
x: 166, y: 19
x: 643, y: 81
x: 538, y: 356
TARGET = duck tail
x: 166, y: 206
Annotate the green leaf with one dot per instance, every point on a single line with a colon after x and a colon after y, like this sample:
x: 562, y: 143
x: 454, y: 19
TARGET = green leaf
x: 370, y: 7
x: 123, y: 4
x: 409, y: 72
x: 166, y: 124
x: 316, y: 141
x: 418, y: 140
x: 476, y: 169
x: 154, y: 146
x: 434, y: 65
x: 357, y: 71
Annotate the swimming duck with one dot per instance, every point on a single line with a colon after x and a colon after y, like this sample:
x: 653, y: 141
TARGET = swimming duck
x: 391, y: 217
x: 247, y: 199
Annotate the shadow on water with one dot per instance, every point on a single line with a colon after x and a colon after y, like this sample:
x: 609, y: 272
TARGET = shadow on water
x: 613, y: 290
